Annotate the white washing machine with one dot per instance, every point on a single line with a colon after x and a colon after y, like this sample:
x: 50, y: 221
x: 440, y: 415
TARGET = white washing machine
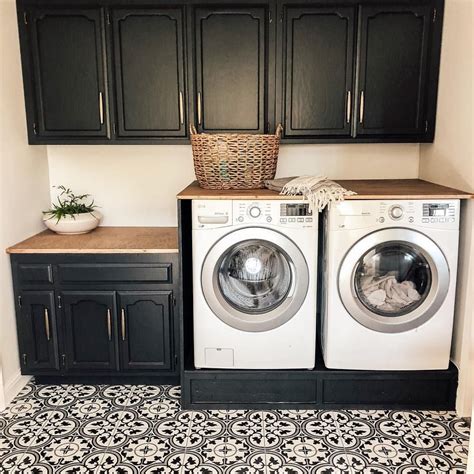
x: 254, y: 284
x: 390, y: 271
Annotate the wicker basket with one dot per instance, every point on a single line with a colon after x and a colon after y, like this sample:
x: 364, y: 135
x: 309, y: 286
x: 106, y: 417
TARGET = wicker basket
x: 233, y: 160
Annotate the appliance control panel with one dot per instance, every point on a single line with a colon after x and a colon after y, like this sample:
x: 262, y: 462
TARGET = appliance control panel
x: 275, y: 212
x: 439, y: 214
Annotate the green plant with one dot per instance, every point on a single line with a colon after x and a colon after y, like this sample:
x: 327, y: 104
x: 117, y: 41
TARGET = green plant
x: 69, y: 204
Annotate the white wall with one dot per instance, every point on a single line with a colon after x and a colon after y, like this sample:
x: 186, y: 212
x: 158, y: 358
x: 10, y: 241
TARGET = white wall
x: 24, y: 191
x: 137, y: 185
x: 450, y: 161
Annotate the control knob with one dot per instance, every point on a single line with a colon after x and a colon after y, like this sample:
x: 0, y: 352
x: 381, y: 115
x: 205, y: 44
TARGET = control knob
x: 396, y: 212
x: 255, y: 211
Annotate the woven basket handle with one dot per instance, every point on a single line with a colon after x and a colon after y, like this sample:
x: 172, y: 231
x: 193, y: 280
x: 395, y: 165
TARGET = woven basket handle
x: 279, y: 130
x: 192, y: 129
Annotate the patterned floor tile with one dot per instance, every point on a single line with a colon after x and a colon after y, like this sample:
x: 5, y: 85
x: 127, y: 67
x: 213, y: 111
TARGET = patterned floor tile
x: 121, y: 429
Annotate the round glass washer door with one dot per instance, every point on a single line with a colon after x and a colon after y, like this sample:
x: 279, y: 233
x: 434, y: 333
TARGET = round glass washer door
x: 393, y: 280
x: 255, y: 279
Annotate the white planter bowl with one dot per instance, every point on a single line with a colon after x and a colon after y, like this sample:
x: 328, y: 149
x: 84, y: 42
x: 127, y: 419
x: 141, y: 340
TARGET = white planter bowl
x: 74, y: 224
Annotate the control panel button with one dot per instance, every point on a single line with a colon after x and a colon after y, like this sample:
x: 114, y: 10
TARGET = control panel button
x: 425, y: 220
x: 255, y: 211
x: 240, y: 218
x: 309, y: 219
x: 283, y: 220
x: 269, y: 218
x: 291, y: 219
x: 395, y: 212
x: 300, y: 219
x: 411, y: 219
x: 382, y: 219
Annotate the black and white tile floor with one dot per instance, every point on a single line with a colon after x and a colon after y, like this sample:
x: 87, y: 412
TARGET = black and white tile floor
x: 124, y: 429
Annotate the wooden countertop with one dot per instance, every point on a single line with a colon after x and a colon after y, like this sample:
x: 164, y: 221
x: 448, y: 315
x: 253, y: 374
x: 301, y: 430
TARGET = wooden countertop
x: 103, y: 240
x: 365, y: 189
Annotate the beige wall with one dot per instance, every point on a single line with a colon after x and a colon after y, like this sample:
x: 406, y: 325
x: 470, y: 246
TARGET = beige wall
x: 450, y: 161
x: 24, y: 190
x: 137, y: 185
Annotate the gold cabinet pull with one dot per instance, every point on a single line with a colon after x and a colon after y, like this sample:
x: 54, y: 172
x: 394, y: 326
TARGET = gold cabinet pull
x: 109, y: 324
x: 199, y: 106
x: 348, y: 107
x: 101, y: 108
x: 181, y: 108
x: 123, y: 324
x: 46, y: 324
x: 361, y: 110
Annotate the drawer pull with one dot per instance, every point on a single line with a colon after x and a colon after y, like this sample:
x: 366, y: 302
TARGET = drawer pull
x: 348, y: 107
x: 109, y: 324
x: 46, y: 324
x: 123, y: 324
x: 361, y: 110
x: 181, y: 108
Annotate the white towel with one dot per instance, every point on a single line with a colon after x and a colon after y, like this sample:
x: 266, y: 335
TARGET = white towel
x: 318, y: 190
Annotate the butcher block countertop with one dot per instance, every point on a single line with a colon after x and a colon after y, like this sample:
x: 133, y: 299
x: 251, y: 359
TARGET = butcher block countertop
x: 103, y: 240
x: 365, y: 189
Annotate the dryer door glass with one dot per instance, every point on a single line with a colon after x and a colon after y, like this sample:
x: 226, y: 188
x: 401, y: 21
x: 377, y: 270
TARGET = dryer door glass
x: 392, y: 279
x: 254, y: 276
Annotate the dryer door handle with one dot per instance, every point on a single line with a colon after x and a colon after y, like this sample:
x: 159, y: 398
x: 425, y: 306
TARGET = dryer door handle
x: 213, y: 219
x: 293, y: 279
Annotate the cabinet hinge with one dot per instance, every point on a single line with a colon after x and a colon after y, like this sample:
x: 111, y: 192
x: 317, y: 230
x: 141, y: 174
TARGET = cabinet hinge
x: 60, y: 302
x: 35, y: 130
x: 435, y: 13
x: 63, y: 360
x: 24, y: 359
x: 19, y: 301
x: 426, y: 126
x: 25, y: 18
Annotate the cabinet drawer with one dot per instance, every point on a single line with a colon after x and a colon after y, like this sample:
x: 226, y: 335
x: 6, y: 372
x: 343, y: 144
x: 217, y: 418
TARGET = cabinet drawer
x: 108, y: 272
x: 29, y: 273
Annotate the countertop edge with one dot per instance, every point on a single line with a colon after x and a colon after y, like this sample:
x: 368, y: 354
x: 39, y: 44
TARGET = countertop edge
x: 13, y: 251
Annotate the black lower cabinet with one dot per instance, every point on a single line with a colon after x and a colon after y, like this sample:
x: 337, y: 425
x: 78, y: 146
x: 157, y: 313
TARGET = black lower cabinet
x: 90, y: 330
x: 98, y: 318
x: 37, y: 326
x: 145, y: 330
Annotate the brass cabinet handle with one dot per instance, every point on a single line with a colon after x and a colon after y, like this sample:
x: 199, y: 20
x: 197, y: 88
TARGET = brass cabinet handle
x: 348, y: 107
x: 199, y: 106
x: 109, y: 324
x: 123, y: 324
x: 46, y: 324
x: 361, y: 110
x: 181, y: 108
x: 101, y: 108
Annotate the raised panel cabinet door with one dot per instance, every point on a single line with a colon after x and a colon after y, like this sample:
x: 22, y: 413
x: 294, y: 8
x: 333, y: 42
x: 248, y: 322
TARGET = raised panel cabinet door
x: 149, y: 72
x: 90, y: 330
x: 145, y: 330
x: 393, y: 69
x: 37, y: 331
x: 231, y: 56
x: 69, y: 72
x: 318, y: 64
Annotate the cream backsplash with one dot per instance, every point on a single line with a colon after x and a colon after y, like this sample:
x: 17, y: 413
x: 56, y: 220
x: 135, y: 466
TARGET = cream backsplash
x: 137, y: 185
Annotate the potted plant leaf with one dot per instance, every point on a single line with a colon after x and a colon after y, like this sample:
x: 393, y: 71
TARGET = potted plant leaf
x: 72, y: 214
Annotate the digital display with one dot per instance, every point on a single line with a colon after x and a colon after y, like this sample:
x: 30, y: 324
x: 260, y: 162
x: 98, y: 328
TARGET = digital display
x: 435, y: 210
x: 295, y: 210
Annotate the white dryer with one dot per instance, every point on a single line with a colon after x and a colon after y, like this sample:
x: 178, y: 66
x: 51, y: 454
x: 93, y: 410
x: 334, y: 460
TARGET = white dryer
x: 254, y: 284
x: 390, y: 272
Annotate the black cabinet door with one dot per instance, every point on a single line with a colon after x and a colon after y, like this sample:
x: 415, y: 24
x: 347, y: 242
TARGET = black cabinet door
x: 231, y: 56
x: 392, y: 69
x: 149, y: 72
x: 90, y: 329
x: 37, y: 331
x: 69, y: 72
x: 318, y: 65
x: 145, y: 330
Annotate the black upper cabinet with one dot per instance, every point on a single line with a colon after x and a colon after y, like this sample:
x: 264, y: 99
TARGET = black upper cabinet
x: 318, y: 55
x: 68, y: 72
x: 231, y: 56
x: 145, y: 330
x: 394, y: 47
x: 90, y: 330
x: 37, y: 324
x: 149, y: 72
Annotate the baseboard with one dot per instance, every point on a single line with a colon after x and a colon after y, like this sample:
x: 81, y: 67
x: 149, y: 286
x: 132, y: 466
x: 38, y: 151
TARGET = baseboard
x: 14, y: 386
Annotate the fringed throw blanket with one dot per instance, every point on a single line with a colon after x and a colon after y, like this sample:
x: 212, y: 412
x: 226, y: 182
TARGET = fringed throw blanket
x: 318, y: 190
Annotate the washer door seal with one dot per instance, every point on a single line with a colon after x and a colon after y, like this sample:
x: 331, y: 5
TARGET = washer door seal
x: 266, y: 317
x: 431, y: 257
